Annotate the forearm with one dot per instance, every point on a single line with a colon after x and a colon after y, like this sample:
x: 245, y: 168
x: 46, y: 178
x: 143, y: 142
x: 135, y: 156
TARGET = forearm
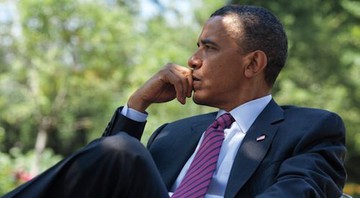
x: 120, y: 123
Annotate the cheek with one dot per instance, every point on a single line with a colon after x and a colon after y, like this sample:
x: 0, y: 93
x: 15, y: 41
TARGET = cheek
x: 222, y: 70
x: 226, y: 80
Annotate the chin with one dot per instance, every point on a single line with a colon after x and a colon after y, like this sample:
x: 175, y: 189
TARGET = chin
x: 205, y: 100
x: 200, y: 100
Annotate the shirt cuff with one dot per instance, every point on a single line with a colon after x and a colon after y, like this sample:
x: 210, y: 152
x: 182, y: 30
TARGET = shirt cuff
x: 133, y: 114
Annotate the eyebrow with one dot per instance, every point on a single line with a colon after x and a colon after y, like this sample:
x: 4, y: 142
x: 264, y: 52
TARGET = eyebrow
x: 207, y: 41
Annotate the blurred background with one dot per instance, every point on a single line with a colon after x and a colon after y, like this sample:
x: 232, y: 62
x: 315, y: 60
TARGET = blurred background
x: 65, y: 65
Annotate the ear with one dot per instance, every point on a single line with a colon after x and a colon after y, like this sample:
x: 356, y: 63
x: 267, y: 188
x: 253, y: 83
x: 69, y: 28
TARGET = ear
x: 257, y: 61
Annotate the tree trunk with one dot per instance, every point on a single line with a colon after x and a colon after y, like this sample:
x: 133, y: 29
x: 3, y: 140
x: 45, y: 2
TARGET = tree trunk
x: 40, y: 144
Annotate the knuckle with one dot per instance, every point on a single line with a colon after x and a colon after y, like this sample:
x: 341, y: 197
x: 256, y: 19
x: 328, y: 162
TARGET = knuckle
x: 169, y: 65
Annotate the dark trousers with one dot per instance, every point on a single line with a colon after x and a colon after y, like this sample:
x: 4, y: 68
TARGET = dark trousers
x: 113, y: 166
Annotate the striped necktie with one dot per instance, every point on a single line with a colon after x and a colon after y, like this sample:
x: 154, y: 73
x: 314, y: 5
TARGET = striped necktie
x: 197, y: 179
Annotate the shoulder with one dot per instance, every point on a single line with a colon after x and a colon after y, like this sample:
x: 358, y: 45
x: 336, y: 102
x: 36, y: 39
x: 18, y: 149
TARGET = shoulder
x: 308, y: 113
x: 190, y: 127
x: 312, y: 119
x: 195, y: 119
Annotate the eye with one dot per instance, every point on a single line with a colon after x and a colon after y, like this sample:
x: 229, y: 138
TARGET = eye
x: 209, y: 47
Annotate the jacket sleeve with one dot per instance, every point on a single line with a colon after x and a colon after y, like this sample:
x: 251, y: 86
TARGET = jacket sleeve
x: 120, y: 123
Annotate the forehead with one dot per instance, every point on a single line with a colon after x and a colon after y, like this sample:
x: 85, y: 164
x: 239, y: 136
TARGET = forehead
x: 228, y: 26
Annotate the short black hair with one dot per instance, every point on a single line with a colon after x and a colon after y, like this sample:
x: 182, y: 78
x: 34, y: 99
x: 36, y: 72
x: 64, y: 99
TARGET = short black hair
x: 262, y: 31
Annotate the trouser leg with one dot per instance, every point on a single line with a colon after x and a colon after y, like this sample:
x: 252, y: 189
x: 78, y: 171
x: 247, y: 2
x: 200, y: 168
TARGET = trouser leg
x: 114, y: 166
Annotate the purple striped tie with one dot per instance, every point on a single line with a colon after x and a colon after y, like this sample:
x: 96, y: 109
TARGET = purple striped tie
x: 197, y: 179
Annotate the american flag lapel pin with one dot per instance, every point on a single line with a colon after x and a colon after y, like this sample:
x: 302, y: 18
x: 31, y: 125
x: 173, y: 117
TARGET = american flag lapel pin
x: 260, y: 138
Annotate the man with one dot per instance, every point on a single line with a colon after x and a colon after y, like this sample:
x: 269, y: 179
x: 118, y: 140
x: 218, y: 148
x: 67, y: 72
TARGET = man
x: 265, y: 151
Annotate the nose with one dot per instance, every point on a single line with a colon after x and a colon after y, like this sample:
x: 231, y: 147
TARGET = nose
x: 194, y: 61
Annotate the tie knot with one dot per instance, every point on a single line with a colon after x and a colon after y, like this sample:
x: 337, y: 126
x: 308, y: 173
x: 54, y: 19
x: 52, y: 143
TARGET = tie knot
x: 225, y: 120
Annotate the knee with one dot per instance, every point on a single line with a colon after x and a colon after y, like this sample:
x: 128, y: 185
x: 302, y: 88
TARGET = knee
x: 121, y: 143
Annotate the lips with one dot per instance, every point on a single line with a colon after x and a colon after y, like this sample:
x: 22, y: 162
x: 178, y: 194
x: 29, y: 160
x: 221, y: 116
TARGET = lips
x: 195, y: 78
x: 196, y: 83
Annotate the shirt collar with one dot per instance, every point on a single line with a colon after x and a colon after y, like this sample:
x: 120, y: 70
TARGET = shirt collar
x: 246, y: 114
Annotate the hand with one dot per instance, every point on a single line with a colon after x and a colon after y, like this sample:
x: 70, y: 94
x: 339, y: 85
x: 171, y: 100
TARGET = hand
x: 173, y: 81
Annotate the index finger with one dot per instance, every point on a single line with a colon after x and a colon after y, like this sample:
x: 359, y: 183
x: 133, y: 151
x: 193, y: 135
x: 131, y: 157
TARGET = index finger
x: 182, y: 81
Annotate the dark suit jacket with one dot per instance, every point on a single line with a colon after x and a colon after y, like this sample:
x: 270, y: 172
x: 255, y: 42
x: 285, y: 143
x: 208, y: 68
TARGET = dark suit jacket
x: 302, y: 154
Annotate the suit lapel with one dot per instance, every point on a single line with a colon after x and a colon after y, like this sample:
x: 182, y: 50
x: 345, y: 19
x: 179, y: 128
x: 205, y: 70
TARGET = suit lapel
x: 253, y: 148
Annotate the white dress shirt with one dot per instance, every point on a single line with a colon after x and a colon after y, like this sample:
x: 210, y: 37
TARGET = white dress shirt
x: 244, y: 116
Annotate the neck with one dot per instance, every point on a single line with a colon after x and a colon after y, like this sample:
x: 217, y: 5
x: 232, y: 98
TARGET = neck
x: 246, y: 95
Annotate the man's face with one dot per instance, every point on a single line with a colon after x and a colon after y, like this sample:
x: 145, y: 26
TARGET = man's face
x: 218, y: 64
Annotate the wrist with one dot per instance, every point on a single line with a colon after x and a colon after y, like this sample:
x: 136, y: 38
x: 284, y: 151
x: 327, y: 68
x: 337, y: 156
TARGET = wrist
x: 137, y: 104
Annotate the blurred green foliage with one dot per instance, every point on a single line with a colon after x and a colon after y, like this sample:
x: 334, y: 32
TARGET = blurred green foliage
x: 65, y: 65
x: 16, y: 167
